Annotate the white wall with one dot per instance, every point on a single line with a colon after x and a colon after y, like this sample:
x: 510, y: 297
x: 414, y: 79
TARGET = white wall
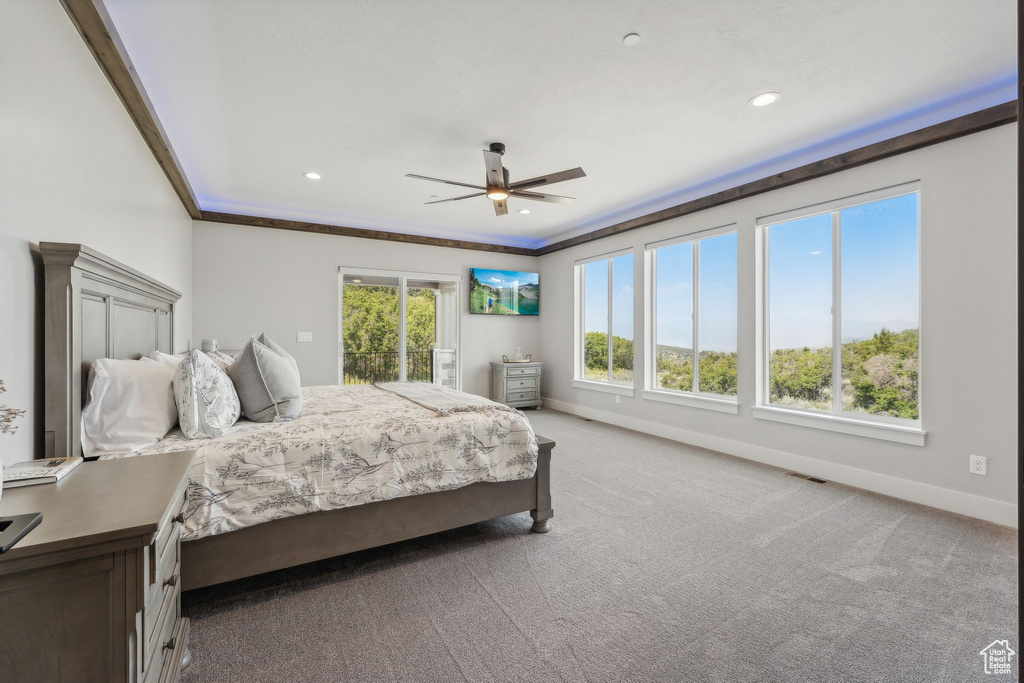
x: 73, y: 168
x: 249, y: 280
x: 968, y: 347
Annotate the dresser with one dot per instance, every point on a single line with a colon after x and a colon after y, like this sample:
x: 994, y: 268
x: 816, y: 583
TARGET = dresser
x: 93, y: 593
x: 516, y: 384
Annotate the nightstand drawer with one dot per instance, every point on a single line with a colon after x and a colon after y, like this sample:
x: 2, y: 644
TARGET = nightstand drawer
x: 165, y: 549
x: 522, y: 383
x: 518, y: 372
x: 514, y: 396
x: 161, y: 623
x: 168, y: 580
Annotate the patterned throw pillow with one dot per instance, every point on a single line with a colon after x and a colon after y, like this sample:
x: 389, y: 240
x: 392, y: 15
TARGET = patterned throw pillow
x: 222, y: 360
x: 206, y: 398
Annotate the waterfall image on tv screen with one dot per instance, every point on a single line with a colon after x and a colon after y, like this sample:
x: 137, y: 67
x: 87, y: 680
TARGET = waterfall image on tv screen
x: 503, y: 292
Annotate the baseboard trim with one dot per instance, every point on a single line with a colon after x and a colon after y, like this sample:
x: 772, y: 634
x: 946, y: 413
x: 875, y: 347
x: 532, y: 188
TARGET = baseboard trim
x: 979, y: 507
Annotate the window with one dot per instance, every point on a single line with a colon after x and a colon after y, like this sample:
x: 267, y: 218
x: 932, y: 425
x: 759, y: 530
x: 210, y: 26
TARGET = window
x: 399, y: 327
x: 692, y: 317
x: 604, y: 339
x: 842, y: 322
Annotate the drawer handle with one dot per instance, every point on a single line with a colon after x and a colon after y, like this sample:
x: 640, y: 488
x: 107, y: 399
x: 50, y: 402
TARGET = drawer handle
x: 179, y: 518
x: 171, y: 581
x: 169, y: 645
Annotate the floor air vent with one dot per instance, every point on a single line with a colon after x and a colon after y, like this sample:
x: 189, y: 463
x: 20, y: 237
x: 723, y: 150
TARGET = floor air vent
x: 808, y: 478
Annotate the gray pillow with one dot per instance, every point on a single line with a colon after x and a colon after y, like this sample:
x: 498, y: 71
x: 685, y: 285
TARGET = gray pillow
x: 276, y: 348
x: 267, y: 383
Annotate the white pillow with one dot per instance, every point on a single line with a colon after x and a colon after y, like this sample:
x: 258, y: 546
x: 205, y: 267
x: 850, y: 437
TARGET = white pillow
x: 207, y: 402
x: 130, y: 405
x: 171, y: 358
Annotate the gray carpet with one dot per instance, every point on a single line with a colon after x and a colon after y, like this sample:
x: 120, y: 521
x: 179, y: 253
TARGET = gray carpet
x: 666, y: 563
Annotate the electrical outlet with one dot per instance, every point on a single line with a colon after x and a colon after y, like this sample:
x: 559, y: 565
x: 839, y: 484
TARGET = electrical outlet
x: 618, y: 399
x: 979, y: 465
x: 303, y: 336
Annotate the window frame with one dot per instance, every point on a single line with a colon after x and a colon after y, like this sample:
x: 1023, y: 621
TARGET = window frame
x: 694, y: 398
x: 885, y: 427
x: 403, y: 277
x: 580, y: 380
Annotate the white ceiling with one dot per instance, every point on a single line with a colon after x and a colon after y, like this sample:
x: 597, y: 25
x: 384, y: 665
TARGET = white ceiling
x: 252, y: 93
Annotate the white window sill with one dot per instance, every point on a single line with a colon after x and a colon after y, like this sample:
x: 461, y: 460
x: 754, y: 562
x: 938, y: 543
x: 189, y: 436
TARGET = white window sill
x: 722, y: 405
x: 913, y: 436
x: 606, y: 387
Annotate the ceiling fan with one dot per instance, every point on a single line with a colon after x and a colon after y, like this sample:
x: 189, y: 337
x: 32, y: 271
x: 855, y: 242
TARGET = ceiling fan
x: 499, y: 189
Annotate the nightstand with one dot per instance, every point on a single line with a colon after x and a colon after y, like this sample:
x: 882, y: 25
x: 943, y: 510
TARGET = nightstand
x: 516, y: 384
x: 93, y: 593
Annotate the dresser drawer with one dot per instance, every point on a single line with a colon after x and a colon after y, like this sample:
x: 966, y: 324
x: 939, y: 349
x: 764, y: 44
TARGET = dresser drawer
x: 166, y: 666
x: 521, y: 383
x: 168, y: 583
x: 513, y: 396
x: 159, y: 633
x: 519, y: 372
x: 170, y: 530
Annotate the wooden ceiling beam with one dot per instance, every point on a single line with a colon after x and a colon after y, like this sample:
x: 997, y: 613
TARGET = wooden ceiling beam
x: 941, y: 132
x: 326, y: 229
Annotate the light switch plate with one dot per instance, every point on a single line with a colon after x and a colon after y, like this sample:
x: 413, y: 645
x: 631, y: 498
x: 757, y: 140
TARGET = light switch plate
x: 303, y: 336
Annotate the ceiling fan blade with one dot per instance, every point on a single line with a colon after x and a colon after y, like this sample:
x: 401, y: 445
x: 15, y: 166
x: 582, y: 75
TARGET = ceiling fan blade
x: 549, y: 179
x: 495, y: 173
x: 455, y: 199
x: 500, y: 207
x: 446, y: 182
x: 538, y: 197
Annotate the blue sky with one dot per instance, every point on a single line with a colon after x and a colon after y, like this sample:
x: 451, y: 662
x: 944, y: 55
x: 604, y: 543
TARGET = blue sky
x: 717, y: 289
x: 595, y: 280
x: 879, y: 281
x: 879, y: 274
x: 505, y: 278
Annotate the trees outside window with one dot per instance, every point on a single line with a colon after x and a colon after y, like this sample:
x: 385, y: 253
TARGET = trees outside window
x: 606, y: 320
x: 843, y: 310
x: 693, y: 303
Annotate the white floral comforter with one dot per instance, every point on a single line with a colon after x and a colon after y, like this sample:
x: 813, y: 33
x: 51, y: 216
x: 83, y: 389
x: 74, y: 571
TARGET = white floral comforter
x: 351, y: 445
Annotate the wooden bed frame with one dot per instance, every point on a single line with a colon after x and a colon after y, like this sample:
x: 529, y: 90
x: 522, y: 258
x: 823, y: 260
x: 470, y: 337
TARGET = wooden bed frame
x: 96, y: 308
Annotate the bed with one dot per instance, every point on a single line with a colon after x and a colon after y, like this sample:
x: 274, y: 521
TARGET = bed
x: 361, y: 467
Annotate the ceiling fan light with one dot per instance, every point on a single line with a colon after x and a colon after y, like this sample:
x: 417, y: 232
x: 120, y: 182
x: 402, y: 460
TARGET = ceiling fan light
x: 497, y: 193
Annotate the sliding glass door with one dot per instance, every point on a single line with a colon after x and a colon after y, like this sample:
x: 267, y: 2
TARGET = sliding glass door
x: 397, y: 326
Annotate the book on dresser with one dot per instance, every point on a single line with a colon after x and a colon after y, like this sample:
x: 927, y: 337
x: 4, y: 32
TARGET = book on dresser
x: 32, y: 472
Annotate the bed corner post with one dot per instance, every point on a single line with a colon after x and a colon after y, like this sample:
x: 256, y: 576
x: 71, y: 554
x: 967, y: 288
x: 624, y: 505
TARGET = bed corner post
x: 543, y: 513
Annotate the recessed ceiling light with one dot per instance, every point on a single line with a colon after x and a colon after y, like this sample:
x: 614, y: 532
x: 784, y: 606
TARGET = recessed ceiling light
x: 357, y: 280
x: 631, y: 39
x: 524, y: 211
x: 764, y: 99
x: 312, y: 175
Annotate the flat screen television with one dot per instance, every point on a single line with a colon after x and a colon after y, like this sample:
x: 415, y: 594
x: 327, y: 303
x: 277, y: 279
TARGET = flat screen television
x: 503, y: 292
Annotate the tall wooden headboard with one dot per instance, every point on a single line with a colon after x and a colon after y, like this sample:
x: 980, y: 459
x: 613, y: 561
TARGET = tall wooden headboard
x: 94, y: 307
